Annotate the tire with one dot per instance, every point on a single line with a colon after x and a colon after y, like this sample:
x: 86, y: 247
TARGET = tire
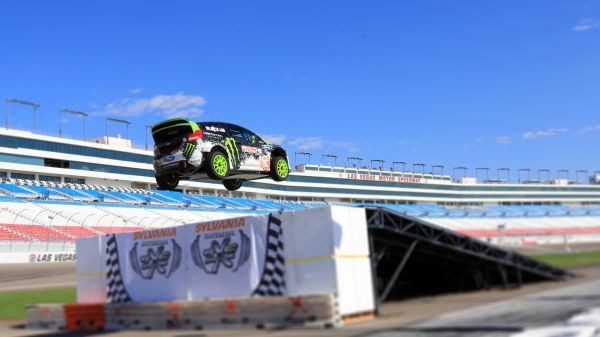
x: 217, y: 165
x: 233, y: 184
x: 168, y: 182
x: 280, y: 170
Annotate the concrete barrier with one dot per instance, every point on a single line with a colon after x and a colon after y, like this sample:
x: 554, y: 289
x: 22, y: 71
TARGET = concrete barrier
x: 261, y: 312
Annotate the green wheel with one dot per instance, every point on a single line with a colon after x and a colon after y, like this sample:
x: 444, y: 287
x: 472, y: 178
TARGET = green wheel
x: 280, y: 170
x: 217, y: 165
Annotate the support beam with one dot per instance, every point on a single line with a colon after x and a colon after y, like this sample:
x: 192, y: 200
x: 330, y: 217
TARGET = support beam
x: 398, y: 270
x: 374, y: 278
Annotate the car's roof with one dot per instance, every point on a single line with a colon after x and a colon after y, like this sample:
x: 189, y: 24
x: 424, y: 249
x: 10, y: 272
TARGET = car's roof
x: 222, y: 123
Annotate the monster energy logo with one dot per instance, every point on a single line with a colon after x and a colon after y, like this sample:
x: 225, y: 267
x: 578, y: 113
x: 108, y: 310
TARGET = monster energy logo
x: 189, y: 149
x: 232, y: 150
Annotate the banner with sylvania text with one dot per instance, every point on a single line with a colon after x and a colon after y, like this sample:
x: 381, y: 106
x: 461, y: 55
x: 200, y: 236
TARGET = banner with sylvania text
x: 232, y: 258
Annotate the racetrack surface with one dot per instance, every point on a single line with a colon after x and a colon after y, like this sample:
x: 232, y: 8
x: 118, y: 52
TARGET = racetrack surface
x: 485, y: 313
x: 14, y: 277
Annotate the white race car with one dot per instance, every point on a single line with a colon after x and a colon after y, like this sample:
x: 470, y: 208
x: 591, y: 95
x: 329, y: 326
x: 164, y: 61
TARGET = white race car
x: 187, y: 150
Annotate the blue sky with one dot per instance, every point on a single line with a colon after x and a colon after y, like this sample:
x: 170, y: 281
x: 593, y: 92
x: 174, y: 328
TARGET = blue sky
x: 493, y: 84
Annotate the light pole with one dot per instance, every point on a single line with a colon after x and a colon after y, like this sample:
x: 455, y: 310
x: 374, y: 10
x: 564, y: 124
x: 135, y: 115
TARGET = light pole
x: 399, y: 163
x: 547, y: 171
x: 348, y: 159
x: 585, y: 172
x: 122, y: 121
x: 487, y: 172
x: 505, y: 169
x: 422, y: 168
x: 524, y: 170
x: 441, y: 167
x: 302, y: 154
x: 147, y: 127
x: 558, y: 172
x: 323, y: 156
x: 463, y: 168
x: 381, y: 161
x: 34, y: 105
x: 73, y: 112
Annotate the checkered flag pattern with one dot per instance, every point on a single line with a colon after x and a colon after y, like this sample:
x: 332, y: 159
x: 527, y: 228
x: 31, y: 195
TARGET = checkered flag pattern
x: 272, y: 281
x: 115, y: 290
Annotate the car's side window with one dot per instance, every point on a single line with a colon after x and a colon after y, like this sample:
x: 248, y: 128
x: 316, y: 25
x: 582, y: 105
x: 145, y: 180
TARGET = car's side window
x: 253, y: 138
x: 237, y: 134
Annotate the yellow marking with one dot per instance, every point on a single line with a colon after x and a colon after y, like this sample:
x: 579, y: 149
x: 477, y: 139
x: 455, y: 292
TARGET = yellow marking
x: 351, y: 256
x: 323, y: 258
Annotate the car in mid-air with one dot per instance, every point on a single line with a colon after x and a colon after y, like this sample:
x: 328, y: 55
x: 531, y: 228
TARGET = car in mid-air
x: 188, y: 150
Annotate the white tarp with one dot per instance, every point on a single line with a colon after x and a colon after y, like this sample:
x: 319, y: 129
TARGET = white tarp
x: 225, y: 258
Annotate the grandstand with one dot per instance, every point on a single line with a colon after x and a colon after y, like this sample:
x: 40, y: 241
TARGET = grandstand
x: 113, y: 162
x: 58, y: 212
x: 53, y: 190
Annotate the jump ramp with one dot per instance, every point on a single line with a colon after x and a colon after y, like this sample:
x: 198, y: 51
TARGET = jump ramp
x: 412, y: 257
x: 321, y: 267
x: 308, y: 267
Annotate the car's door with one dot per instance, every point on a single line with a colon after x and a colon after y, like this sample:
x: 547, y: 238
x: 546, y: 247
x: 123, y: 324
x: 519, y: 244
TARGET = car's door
x: 233, y: 144
x: 261, y: 151
x: 242, y: 150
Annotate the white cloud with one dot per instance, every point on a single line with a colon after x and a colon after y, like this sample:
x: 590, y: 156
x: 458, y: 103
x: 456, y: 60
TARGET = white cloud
x: 275, y: 139
x: 589, y: 129
x: 543, y: 133
x: 135, y: 90
x: 348, y: 146
x: 503, y: 140
x: 586, y: 24
x: 307, y: 143
x: 176, y: 105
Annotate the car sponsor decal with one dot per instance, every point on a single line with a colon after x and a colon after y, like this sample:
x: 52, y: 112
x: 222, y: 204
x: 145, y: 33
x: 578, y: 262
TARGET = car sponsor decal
x: 214, y: 128
x: 249, y: 149
x: 265, y: 162
x: 232, y: 151
x: 168, y: 158
x: 189, y: 149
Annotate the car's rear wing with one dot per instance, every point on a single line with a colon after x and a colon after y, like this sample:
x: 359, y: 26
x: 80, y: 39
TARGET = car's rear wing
x: 173, y: 131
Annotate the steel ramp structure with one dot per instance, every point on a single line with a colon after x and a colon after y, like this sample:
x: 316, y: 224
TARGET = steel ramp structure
x: 411, y: 257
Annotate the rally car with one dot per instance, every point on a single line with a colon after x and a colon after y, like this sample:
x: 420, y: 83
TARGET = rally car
x: 188, y: 150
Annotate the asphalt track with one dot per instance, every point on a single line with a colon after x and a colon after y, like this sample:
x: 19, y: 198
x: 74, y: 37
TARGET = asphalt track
x: 486, y: 313
x: 14, y: 277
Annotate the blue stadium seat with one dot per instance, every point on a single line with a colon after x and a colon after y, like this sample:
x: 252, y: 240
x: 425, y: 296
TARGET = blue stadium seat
x: 75, y: 194
x: 170, y: 196
x: 9, y: 198
x: 99, y: 195
x: 203, y: 200
x: 46, y: 192
x: 122, y: 196
x: 16, y: 190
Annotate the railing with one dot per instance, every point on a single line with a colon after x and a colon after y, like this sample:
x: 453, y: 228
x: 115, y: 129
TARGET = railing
x: 36, y: 246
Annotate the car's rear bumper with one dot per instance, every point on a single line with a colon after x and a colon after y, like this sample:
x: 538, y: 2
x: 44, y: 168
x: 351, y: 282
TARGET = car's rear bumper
x: 177, y: 163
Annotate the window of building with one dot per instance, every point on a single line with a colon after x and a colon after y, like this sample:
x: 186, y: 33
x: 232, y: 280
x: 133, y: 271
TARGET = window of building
x: 56, y: 163
x: 3, y: 175
x: 22, y: 176
x: 14, y: 142
x: 70, y: 180
x: 141, y: 186
x: 49, y: 178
